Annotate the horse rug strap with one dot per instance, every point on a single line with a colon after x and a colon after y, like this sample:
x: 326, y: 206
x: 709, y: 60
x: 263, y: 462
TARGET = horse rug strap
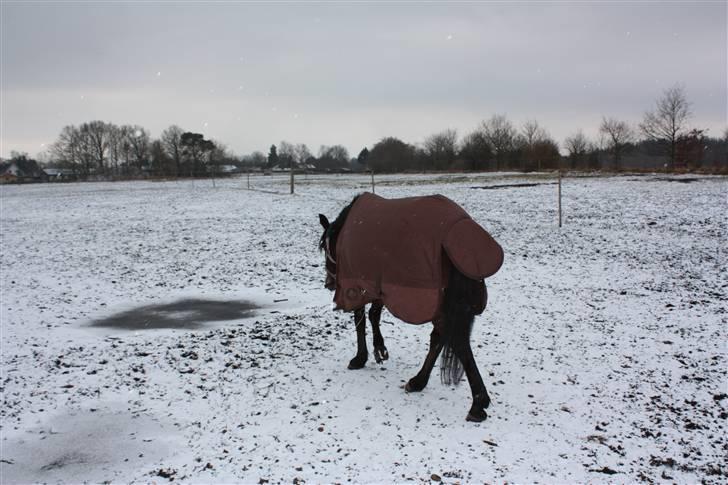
x: 392, y: 250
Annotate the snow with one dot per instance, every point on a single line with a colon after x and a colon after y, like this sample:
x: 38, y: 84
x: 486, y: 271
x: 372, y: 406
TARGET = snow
x: 603, y: 345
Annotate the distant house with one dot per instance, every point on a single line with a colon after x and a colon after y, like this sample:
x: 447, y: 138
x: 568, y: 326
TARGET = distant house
x: 306, y: 167
x: 228, y: 169
x: 60, y: 174
x: 21, y: 170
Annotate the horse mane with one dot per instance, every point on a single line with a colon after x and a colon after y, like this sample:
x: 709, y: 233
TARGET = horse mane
x: 335, y: 227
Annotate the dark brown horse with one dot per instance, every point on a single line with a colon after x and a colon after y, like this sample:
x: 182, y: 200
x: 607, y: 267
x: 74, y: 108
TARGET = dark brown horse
x: 424, y: 259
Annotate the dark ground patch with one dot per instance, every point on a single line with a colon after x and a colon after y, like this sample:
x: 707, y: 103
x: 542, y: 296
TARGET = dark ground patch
x: 510, y: 186
x: 683, y: 180
x: 187, y: 314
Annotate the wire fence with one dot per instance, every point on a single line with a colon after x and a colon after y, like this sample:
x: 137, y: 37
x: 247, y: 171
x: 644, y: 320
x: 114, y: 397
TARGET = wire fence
x: 344, y: 186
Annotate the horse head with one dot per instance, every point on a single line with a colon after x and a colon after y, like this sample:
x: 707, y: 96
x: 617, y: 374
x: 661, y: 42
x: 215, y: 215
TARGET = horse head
x: 327, y: 246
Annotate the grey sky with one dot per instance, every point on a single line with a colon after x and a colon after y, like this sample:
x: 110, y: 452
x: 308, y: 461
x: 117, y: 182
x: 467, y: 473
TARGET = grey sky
x: 253, y: 74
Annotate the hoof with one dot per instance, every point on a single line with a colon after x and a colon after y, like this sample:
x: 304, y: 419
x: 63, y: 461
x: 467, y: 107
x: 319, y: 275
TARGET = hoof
x: 380, y: 354
x: 476, y: 415
x: 482, y: 400
x: 413, y: 385
x: 357, y: 362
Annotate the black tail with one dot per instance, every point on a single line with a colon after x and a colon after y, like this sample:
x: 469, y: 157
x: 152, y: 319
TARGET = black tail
x: 458, y: 317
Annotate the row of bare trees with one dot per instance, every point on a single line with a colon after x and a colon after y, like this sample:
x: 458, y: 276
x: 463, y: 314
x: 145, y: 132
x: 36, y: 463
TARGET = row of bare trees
x: 667, y: 124
x: 499, y: 144
x: 495, y: 145
x: 103, y: 149
x: 287, y: 155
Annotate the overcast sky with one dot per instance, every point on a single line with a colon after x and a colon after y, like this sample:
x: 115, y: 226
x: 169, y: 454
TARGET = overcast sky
x: 253, y: 74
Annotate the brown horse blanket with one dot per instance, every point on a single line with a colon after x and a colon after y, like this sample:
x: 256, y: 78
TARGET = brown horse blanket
x: 392, y: 250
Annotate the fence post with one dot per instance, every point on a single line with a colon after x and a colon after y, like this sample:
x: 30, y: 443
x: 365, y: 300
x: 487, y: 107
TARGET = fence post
x: 559, y: 194
x: 372, y: 172
x: 292, y: 181
x: 248, y: 180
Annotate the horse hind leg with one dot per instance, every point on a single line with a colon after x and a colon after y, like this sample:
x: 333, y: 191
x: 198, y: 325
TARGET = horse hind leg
x: 481, y: 400
x: 418, y: 382
x: 361, y: 340
x: 458, y: 356
x: 380, y: 351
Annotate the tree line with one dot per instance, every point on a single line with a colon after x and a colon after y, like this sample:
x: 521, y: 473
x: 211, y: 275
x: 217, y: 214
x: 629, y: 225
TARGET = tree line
x: 104, y: 149
x: 664, y: 136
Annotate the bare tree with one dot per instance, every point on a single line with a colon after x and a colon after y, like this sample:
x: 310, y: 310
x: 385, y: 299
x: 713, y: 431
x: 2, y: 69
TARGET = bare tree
x: 475, y: 151
x: 501, y: 136
x: 577, y: 146
x: 533, y: 132
x: 532, y: 139
x: 618, y: 134
x: 668, y: 121
x: 97, y: 135
x: 441, y: 149
x: 333, y: 157
x: 303, y: 154
x: 172, y: 142
x: 75, y: 148
x: 126, y: 151
x: 116, y: 148
x: 67, y: 150
x: 218, y: 155
x: 140, y: 144
x: 286, y: 154
x: 255, y: 160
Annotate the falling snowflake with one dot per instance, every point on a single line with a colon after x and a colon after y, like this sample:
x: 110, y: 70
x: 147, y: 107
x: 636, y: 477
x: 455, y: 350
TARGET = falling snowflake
x: 240, y: 88
x: 138, y: 133
x: 159, y: 73
x: 295, y: 115
x: 449, y: 37
x: 204, y: 124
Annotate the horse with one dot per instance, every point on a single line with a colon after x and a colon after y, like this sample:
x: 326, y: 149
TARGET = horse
x: 424, y: 259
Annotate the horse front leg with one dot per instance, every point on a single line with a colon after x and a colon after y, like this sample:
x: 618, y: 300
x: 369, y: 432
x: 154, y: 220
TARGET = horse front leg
x: 361, y: 340
x: 418, y: 382
x: 375, y: 314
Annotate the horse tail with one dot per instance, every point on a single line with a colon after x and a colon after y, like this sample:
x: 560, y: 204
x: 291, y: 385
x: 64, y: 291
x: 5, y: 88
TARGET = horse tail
x: 458, y: 317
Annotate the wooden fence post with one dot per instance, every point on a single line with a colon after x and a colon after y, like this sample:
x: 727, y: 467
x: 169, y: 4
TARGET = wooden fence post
x: 372, y: 172
x: 292, y: 181
x: 559, y: 195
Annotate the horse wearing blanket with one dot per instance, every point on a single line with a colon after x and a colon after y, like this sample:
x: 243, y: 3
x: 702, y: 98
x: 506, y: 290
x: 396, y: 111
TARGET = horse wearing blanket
x: 423, y: 258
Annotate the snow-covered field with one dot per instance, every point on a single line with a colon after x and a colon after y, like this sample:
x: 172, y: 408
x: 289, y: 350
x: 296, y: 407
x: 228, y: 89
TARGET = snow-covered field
x: 603, y: 345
